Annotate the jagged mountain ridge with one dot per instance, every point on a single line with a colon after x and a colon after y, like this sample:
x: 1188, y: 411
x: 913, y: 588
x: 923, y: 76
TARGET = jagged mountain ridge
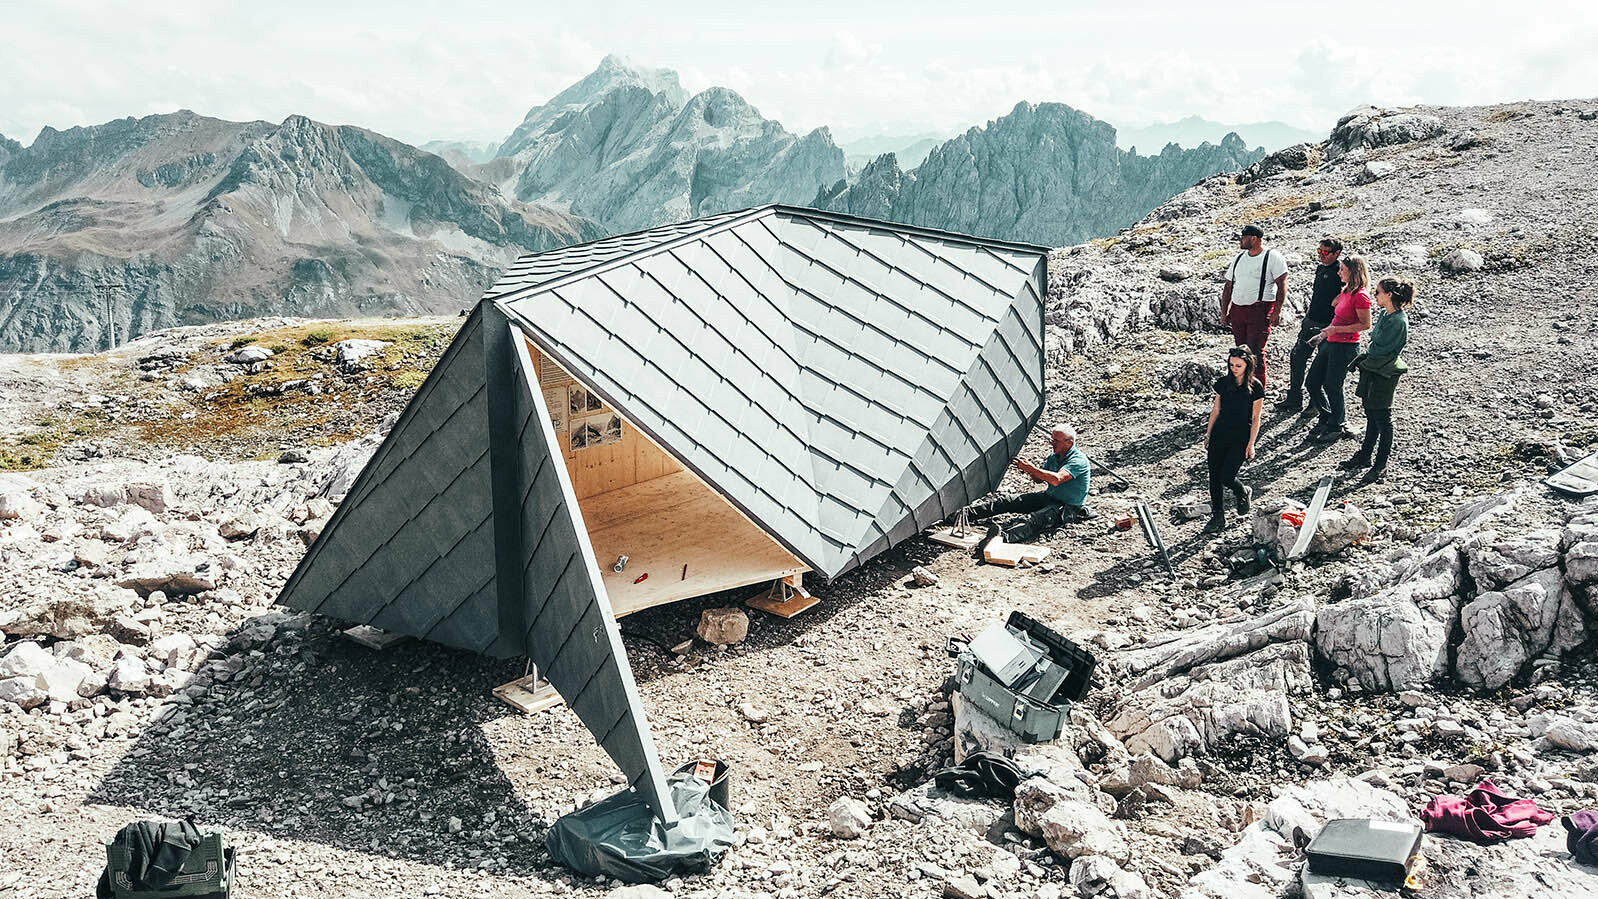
x: 630, y: 149
x: 198, y: 219
x: 1045, y: 173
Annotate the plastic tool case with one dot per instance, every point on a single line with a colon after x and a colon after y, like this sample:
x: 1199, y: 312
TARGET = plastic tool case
x: 1025, y: 675
x: 206, y: 874
x: 1364, y: 848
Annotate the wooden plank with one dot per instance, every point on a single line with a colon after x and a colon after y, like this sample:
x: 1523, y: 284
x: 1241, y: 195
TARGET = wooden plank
x: 784, y: 599
x: 1012, y: 554
x: 948, y: 537
x: 670, y: 522
x: 372, y: 637
x: 529, y: 695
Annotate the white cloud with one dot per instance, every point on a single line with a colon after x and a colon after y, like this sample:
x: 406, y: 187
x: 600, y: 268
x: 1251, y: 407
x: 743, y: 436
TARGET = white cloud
x: 470, y: 69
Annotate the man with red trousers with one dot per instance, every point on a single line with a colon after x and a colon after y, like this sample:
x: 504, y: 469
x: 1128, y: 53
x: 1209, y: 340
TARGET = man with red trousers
x: 1256, y: 289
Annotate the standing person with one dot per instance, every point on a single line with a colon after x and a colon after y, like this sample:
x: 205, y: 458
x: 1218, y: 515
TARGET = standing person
x: 1328, y: 284
x: 1247, y: 304
x: 1380, y: 367
x: 1234, y: 425
x: 1337, y: 344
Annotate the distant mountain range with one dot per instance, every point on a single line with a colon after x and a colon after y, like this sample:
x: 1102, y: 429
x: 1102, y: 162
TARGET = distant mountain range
x: 910, y: 149
x: 1193, y: 131
x: 180, y: 218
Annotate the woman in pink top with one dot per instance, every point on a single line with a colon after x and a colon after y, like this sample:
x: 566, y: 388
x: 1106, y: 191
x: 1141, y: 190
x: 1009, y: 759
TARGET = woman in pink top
x: 1337, y: 345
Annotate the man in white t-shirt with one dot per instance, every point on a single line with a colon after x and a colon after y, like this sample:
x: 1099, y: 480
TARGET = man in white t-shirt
x: 1256, y: 288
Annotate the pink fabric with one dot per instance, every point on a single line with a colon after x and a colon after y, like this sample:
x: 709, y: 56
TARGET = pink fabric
x: 1345, y: 311
x: 1484, y: 815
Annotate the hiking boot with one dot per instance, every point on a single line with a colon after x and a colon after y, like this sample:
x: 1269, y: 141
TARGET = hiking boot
x: 1376, y: 476
x: 1333, y: 434
x: 1356, y: 461
x: 1291, y: 403
x: 1217, y: 523
x: 1242, y: 500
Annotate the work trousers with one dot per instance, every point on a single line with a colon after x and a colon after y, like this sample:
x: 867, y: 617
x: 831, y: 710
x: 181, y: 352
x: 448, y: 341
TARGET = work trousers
x: 1378, y: 436
x: 1226, y: 460
x: 1025, y: 503
x: 1326, y: 376
x: 1251, y: 327
x: 1298, y: 359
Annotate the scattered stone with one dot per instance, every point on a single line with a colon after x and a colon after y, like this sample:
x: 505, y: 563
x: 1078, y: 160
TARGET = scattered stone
x: 1096, y: 875
x: 923, y: 577
x: 129, y: 675
x: 752, y: 714
x: 355, y: 354
x: 248, y: 355
x: 1462, y: 260
x: 1374, y: 170
x: 292, y: 457
x: 848, y: 818
x: 723, y: 626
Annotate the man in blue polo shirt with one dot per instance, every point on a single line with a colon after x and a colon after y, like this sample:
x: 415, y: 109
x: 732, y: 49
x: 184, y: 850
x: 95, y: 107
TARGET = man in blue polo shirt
x: 1066, y: 474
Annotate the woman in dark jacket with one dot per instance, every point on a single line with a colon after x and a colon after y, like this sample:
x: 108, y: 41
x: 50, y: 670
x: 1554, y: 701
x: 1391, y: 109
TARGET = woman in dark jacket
x: 1379, y: 368
x: 1229, y: 439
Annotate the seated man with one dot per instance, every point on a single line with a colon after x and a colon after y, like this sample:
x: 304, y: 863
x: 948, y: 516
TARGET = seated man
x: 1067, y: 474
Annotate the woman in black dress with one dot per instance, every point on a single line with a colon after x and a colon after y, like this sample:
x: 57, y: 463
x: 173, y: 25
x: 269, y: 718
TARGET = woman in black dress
x: 1234, y: 424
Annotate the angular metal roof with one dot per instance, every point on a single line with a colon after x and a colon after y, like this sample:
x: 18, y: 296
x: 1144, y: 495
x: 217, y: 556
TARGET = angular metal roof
x: 844, y: 382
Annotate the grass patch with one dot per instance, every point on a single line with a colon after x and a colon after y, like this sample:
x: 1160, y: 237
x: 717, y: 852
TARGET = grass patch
x: 37, y: 448
x: 1266, y: 210
x: 407, y: 380
x: 1401, y: 217
x: 241, y: 342
x: 317, y: 337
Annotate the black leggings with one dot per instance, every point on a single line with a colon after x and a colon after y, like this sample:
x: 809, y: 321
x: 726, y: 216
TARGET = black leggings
x: 1326, y: 376
x: 1226, y: 460
x: 1378, y: 435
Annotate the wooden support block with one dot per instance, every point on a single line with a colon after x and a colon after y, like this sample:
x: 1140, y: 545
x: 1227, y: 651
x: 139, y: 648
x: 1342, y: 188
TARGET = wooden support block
x: 948, y: 536
x: 784, y: 599
x: 529, y: 695
x: 1012, y: 554
x: 372, y: 637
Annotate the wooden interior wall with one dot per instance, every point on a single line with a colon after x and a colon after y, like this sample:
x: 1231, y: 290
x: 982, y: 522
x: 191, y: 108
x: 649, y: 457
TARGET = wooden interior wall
x: 599, y: 469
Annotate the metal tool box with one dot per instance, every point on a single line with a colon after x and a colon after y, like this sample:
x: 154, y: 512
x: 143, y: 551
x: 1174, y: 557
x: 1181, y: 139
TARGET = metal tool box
x: 1025, y: 676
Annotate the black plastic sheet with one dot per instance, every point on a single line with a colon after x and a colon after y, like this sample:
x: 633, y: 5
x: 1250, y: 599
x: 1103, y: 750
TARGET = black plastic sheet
x: 620, y: 837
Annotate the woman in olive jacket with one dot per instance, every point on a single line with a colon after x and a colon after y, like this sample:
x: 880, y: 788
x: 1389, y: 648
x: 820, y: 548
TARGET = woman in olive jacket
x: 1379, y: 368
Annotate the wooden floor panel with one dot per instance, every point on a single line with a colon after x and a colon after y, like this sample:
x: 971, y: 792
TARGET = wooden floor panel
x: 666, y: 523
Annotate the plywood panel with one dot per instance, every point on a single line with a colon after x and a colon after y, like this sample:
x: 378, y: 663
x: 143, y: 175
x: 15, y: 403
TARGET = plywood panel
x: 594, y: 470
x: 667, y: 523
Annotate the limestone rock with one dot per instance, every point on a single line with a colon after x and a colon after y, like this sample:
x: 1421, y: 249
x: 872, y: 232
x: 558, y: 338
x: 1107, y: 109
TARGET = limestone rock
x: 24, y: 691
x: 1461, y: 260
x: 129, y: 675
x: 104, y: 495
x: 1193, y: 376
x: 1574, y: 728
x: 1339, y: 526
x: 1171, y: 653
x: 67, y: 617
x: 248, y: 355
x: 723, y: 626
x: 1397, y: 638
x: 1096, y: 875
x: 1369, y: 128
x: 153, y: 497
x: 1496, y: 563
x: 1503, y: 631
x: 1374, y: 170
x: 354, y: 354
x: 1190, y: 713
x: 16, y: 504
x: 848, y: 818
x: 1074, y: 828
x: 1581, y: 564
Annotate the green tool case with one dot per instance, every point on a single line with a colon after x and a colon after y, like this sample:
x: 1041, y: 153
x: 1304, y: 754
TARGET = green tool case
x: 207, y: 873
x: 1032, y: 694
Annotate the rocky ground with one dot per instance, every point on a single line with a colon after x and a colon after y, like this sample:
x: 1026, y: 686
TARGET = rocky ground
x: 1440, y: 631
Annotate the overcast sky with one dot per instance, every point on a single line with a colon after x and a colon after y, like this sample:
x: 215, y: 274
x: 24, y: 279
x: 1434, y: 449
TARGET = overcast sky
x: 467, y: 69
